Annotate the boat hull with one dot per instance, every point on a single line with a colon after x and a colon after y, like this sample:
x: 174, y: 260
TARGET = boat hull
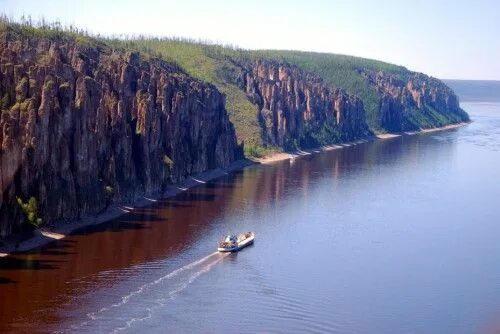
x: 238, y: 247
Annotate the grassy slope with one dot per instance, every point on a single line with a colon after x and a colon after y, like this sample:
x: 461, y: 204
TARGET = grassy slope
x: 208, y: 63
x: 341, y: 71
x: 193, y: 58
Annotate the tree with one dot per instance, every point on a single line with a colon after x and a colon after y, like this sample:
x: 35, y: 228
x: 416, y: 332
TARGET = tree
x: 30, y: 210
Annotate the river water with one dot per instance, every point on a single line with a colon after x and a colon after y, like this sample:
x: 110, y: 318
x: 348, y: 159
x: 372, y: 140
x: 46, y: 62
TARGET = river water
x: 393, y: 236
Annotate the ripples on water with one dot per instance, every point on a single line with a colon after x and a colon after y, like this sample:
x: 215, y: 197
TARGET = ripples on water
x: 395, y: 236
x: 150, y: 296
x: 486, y: 132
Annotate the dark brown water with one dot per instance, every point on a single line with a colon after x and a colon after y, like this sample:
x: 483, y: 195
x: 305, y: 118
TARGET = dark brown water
x: 395, y: 236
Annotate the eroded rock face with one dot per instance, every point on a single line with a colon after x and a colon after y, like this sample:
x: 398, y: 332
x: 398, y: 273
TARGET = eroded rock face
x: 409, y: 103
x: 83, y: 127
x: 297, y: 109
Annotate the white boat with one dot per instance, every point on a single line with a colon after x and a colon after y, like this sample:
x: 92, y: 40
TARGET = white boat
x: 233, y: 243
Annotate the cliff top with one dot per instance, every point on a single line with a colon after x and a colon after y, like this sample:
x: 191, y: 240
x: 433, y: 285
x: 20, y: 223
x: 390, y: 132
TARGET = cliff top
x: 215, y: 64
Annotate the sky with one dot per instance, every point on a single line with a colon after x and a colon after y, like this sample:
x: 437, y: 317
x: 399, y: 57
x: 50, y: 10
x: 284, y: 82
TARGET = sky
x: 446, y: 39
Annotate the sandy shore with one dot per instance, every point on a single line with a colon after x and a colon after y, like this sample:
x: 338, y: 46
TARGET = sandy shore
x: 387, y: 135
x: 292, y: 155
x: 59, y: 231
x: 447, y: 127
x: 411, y: 133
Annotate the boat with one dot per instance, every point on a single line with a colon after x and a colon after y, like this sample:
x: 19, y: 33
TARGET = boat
x: 233, y: 243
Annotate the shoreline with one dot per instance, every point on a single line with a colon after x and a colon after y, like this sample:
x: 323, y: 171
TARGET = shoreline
x: 280, y: 156
x: 60, y: 230
x: 412, y: 133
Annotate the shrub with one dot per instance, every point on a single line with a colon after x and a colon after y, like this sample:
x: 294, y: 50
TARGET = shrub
x: 64, y: 85
x: 4, y: 102
x: 253, y: 151
x: 30, y: 210
x: 168, y: 162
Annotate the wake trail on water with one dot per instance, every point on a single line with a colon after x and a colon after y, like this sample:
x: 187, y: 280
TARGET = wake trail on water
x: 161, y: 302
x: 183, y: 276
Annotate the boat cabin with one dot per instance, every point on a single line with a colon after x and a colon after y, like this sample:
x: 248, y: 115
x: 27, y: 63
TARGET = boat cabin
x: 230, y: 238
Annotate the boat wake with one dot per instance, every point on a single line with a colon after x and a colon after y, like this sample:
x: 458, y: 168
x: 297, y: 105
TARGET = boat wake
x: 142, y: 302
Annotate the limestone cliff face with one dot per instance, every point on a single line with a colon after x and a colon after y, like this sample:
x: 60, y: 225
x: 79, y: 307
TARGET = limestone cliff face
x: 297, y: 109
x: 83, y: 127
x: 415, y: 100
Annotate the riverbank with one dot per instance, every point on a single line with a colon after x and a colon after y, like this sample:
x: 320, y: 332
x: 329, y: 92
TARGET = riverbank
x: 60, y: 230
x: 379, y: 136
x: 292, y: 155
x: 411, y: 133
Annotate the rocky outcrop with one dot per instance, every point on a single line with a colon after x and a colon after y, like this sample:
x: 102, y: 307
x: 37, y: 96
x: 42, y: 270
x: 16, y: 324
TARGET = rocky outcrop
x: 297, y: 109
x: 414, y: 100
x: 84, y: 126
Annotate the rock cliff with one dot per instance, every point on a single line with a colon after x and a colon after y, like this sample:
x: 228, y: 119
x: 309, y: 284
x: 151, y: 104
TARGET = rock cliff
x: 297, y: 109
x: 414, y: 101
x: 82, y: 127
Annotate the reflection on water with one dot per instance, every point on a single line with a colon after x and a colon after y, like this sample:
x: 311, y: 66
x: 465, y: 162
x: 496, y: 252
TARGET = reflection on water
x: 390, y: 236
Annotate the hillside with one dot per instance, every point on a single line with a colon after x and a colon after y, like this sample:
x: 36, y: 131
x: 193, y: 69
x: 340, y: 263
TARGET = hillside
x: 88, y: 122
x: 394, y: 98
x: 85, y: 126
x: 418, y: 100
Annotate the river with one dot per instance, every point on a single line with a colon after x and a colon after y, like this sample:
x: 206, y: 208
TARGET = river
x: 391, y: 236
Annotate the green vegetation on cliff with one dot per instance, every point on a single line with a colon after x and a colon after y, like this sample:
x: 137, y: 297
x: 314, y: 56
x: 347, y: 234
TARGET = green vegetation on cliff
x: 87, y: 121
x: 30, y: 211
x: 365, y: 78
x: 342, y: 71
x: 214, y: 63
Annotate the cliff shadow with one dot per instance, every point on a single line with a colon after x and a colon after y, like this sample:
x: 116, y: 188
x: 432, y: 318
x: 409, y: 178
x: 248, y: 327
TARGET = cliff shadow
x: 56, y: 247
x: 20, y: 263
x: 162, y: 203
x: 219, y: 185
x: 113, y: 226
x: 194, y: 196
x: 138, y: 219
x: 228, y: 181
x: 4, y: 280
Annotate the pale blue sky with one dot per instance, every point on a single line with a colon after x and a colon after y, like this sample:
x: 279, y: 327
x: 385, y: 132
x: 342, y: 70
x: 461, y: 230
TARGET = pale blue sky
x: 446, y: 39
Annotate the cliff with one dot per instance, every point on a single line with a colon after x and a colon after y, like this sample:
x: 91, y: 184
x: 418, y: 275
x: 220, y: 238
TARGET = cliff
x: 394, y: 98
x: 297, y: 110
x: 414, y: 101
x: 84, y: 126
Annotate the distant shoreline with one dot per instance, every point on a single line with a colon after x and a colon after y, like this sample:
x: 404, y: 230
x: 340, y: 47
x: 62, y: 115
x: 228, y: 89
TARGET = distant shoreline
x: 380, y: 136
x: 57, y: 231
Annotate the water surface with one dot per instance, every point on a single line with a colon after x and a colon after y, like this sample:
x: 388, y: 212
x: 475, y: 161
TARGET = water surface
x: 393, y: 236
